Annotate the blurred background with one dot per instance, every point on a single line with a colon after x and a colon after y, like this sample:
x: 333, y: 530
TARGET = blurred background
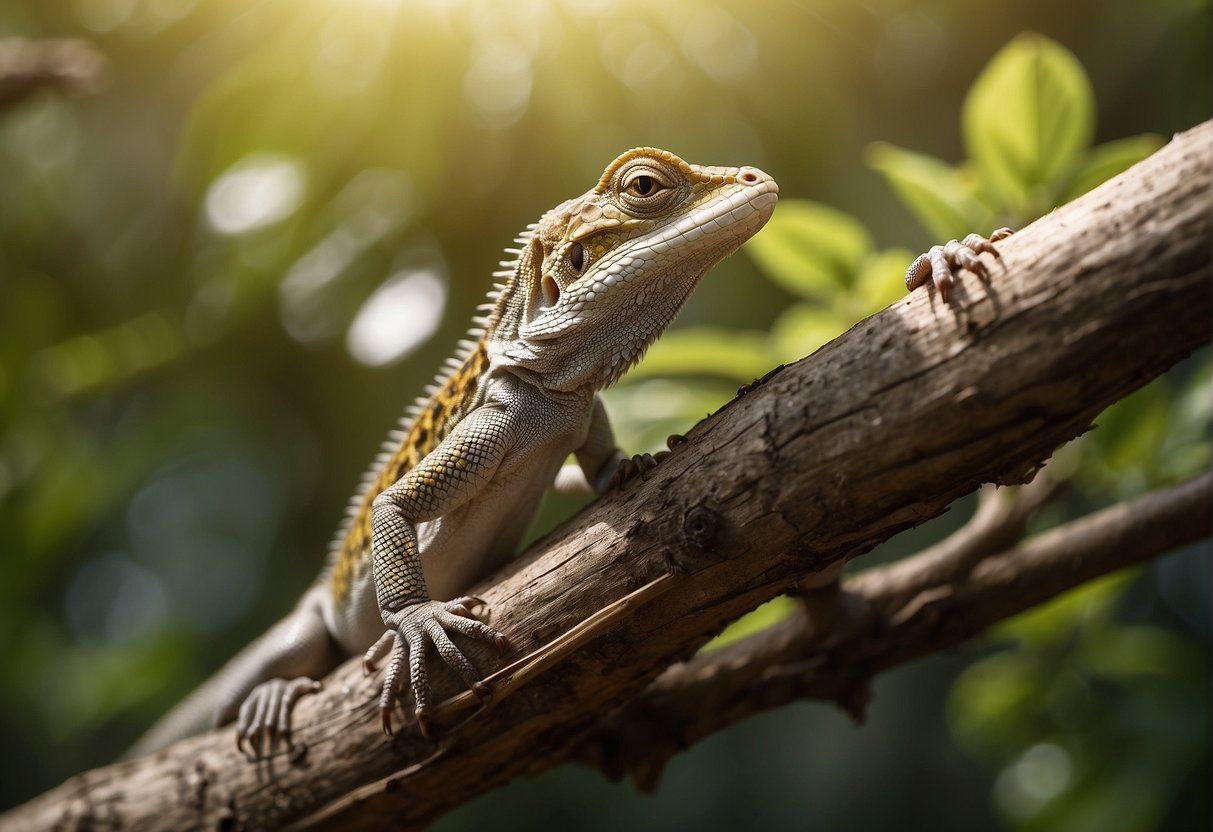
x: 246, y: 233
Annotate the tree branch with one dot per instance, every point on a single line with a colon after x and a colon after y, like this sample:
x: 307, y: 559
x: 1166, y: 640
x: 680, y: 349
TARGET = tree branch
x: 830, y: 647
x: 876, y: 432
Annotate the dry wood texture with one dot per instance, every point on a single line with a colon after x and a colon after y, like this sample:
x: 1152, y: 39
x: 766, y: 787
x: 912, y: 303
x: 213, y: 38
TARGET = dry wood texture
x: 876, y: 432
x: 845, y: 633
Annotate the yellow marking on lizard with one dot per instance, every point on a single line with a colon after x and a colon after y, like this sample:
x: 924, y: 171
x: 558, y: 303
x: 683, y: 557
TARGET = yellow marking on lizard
x: 441, y: 413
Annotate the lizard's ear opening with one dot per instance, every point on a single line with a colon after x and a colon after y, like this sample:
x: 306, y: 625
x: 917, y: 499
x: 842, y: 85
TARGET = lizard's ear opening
x: 551, y: 292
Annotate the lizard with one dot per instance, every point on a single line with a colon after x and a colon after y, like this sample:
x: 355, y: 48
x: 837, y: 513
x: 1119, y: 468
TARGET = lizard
x: 587, y: 289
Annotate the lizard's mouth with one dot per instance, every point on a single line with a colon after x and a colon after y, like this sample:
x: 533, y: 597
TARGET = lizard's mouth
x: 732, y: 218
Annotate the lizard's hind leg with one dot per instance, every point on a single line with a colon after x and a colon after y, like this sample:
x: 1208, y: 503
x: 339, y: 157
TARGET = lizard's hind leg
x: 270, y: 675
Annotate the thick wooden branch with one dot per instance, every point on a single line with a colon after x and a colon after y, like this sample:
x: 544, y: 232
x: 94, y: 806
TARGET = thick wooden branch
x: 846, y: 633
x: 876, y: 432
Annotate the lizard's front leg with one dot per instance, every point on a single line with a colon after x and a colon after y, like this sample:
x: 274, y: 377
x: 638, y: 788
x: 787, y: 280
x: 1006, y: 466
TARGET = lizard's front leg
x: 601, y: 465
x: 941, y: 264
x: 450, y: 475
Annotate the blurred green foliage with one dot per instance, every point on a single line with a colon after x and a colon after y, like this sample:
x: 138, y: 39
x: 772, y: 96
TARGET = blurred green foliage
x: 1028, y: 122
x: 1067, y: 761
x: 212, y: 270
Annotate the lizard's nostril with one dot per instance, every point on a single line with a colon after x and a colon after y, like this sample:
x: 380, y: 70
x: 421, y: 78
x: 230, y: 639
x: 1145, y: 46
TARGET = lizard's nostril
x: 748, y: 176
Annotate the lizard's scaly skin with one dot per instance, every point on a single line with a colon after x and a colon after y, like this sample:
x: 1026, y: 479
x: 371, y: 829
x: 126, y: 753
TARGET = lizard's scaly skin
x: 427, y: 428
x: 591, y: 285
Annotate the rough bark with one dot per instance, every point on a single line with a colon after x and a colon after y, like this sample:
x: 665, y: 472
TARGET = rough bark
x: 877, y: 432
x: 844, y: 634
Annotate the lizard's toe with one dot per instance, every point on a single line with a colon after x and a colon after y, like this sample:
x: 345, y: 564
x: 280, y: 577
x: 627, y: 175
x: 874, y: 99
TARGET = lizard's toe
x: 941, y: 265
x: 743, y: 390
x: 424, y: 724
x: 639, y: 466
x: 265, y: 714
x: 377, y: 651
x: 432, y: 622
x: 469, y: 606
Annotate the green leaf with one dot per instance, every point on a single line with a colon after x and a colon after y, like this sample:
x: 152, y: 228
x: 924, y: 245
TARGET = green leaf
x: 1185, y: 450
x: 1107, y: 160
x: 645, y: 413
x: 772, y: 612
x: 989, y: 710
x: 882, y: 280
x: 934, y: 191
x: 1026, y: 120
x: 1051, y: 623
x: 804, y: 328
x: 1128, y: 652
x: 810, y: 249
x: 708, y: 351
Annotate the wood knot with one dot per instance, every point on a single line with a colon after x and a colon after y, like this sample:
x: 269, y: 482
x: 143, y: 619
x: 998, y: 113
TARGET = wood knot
x: 700, y: 525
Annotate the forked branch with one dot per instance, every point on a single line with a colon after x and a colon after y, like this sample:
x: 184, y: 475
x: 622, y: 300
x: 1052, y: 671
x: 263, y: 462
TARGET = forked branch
x: 830, y: 647
x: 877, y: 432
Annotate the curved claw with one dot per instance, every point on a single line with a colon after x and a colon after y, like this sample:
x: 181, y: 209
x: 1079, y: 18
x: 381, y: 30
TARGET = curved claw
x: 415, y: 626
x: 265, y: 715
x: 941, y: 264
x: 639, y: 466
x: 466, y: 606
x: 746, y: 389
x: 376, y: 652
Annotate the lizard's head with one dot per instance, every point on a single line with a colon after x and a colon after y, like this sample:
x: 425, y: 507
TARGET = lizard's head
x: 602, y: 275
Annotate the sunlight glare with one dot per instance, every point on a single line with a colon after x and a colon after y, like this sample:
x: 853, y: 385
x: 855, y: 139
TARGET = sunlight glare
x: 498, y: 84
x: 397, y: 318
x: 259, y: 190
x: 1041, y: 773
x: 350, y: 53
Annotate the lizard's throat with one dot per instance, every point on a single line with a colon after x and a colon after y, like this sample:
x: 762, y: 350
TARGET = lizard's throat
x: 607, y: 343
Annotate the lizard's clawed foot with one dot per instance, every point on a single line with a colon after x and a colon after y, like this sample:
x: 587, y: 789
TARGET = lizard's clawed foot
x: 265, y: 715
x: 410, y: 629
x: 641, y: 464
x: 942, y: 263
x: 746, y: 389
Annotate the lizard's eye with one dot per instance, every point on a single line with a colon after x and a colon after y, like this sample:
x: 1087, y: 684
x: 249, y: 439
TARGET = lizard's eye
x: 646, y: 190
x: 642, y: 186
x: 577, y: 257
